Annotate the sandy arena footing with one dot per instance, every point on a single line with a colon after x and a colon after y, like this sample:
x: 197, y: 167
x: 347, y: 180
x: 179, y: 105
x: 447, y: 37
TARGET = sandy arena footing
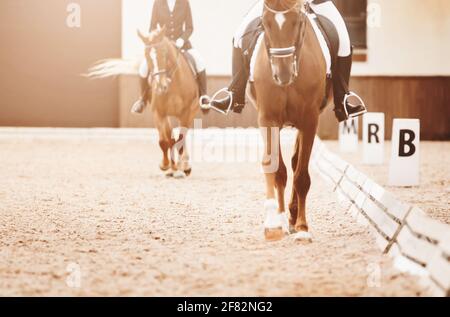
x: 95, y: 216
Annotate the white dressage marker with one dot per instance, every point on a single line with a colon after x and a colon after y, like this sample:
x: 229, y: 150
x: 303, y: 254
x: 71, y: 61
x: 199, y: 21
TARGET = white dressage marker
x: 373, y: 138
x: 404, y: 168
x: 348, y: 136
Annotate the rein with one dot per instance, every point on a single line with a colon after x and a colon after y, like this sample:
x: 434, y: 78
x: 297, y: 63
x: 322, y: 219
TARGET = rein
x: 171, y: 71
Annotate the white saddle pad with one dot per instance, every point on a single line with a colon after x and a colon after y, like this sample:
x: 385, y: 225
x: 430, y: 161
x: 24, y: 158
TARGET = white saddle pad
x: 323, y: 44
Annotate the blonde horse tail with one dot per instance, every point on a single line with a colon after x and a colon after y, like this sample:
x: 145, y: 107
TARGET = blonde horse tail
x: 113, y: 67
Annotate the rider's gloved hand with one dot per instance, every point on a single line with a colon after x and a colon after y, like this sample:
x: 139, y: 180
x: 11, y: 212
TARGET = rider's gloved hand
x: 179, y: 43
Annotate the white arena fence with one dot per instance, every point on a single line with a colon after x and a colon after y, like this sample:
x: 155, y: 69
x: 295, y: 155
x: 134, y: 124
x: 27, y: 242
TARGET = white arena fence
x: 419, y: 244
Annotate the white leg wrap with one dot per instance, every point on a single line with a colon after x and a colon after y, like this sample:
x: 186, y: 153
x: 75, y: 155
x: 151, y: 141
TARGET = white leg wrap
x: 285, y: 222
x: 274, y: 220
x: 179, y: 174
x: 303, y: 236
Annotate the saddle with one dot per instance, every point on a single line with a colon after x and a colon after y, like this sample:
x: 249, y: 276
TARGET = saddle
x: 330, y: 34
x: 331, y: 37
x: 250, y: 38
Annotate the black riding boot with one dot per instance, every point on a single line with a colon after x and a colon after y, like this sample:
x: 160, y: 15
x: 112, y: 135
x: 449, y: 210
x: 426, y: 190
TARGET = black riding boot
x: 140, y: 105
x: 203, y: 89
x: 341, y: 81
x: 238, y: 85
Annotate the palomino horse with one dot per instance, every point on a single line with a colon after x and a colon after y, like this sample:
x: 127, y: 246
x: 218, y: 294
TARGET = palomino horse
x: 289, y: 89
x: 174, y: 94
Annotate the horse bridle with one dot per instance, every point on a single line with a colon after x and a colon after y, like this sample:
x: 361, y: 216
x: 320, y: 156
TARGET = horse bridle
x: 169, y: 72
x: 294, y: 50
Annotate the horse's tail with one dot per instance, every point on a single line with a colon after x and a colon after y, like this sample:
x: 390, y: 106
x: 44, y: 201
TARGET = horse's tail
x: 113, y: 67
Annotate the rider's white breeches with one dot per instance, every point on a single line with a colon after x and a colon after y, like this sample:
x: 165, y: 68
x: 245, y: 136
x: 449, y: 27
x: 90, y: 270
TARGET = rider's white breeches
x: 199, y: 61
x: 327, y: 9
x: 144, y: 70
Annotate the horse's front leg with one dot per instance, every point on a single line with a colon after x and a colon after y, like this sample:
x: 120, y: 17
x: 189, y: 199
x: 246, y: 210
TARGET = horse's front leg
x: 280, y: 185
x: 274, y: 170
x: 293, y: 204
x: 165, y: 141
x: 183, y: 165
x: 302, y: 181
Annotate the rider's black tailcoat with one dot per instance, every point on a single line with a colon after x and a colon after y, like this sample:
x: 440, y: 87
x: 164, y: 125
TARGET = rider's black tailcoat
x: 178, y: 23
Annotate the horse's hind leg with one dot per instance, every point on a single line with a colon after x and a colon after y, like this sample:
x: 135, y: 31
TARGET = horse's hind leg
x: 302, y: 181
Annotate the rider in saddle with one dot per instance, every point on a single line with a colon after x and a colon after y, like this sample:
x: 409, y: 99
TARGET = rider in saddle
x: 341, y: 71
x: 176, y: 16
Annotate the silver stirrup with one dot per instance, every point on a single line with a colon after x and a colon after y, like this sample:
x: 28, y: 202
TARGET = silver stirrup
x: 209, y: 106
x: 353, y: 115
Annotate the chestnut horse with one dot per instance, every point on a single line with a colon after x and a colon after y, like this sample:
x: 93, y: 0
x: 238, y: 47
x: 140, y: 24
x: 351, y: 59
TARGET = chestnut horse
x: 174, y: 94
x: 289, y: 89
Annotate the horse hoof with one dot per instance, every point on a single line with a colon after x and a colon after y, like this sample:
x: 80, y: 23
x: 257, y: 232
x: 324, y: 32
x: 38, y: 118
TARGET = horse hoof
x: 275, y: 223
x: 188, y: 172
x: 303, y: 236
x: 169, y: 174
x: 292, y: 229
x: 272, y: 235
x: 179, y: 175
x: 164, y: 168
